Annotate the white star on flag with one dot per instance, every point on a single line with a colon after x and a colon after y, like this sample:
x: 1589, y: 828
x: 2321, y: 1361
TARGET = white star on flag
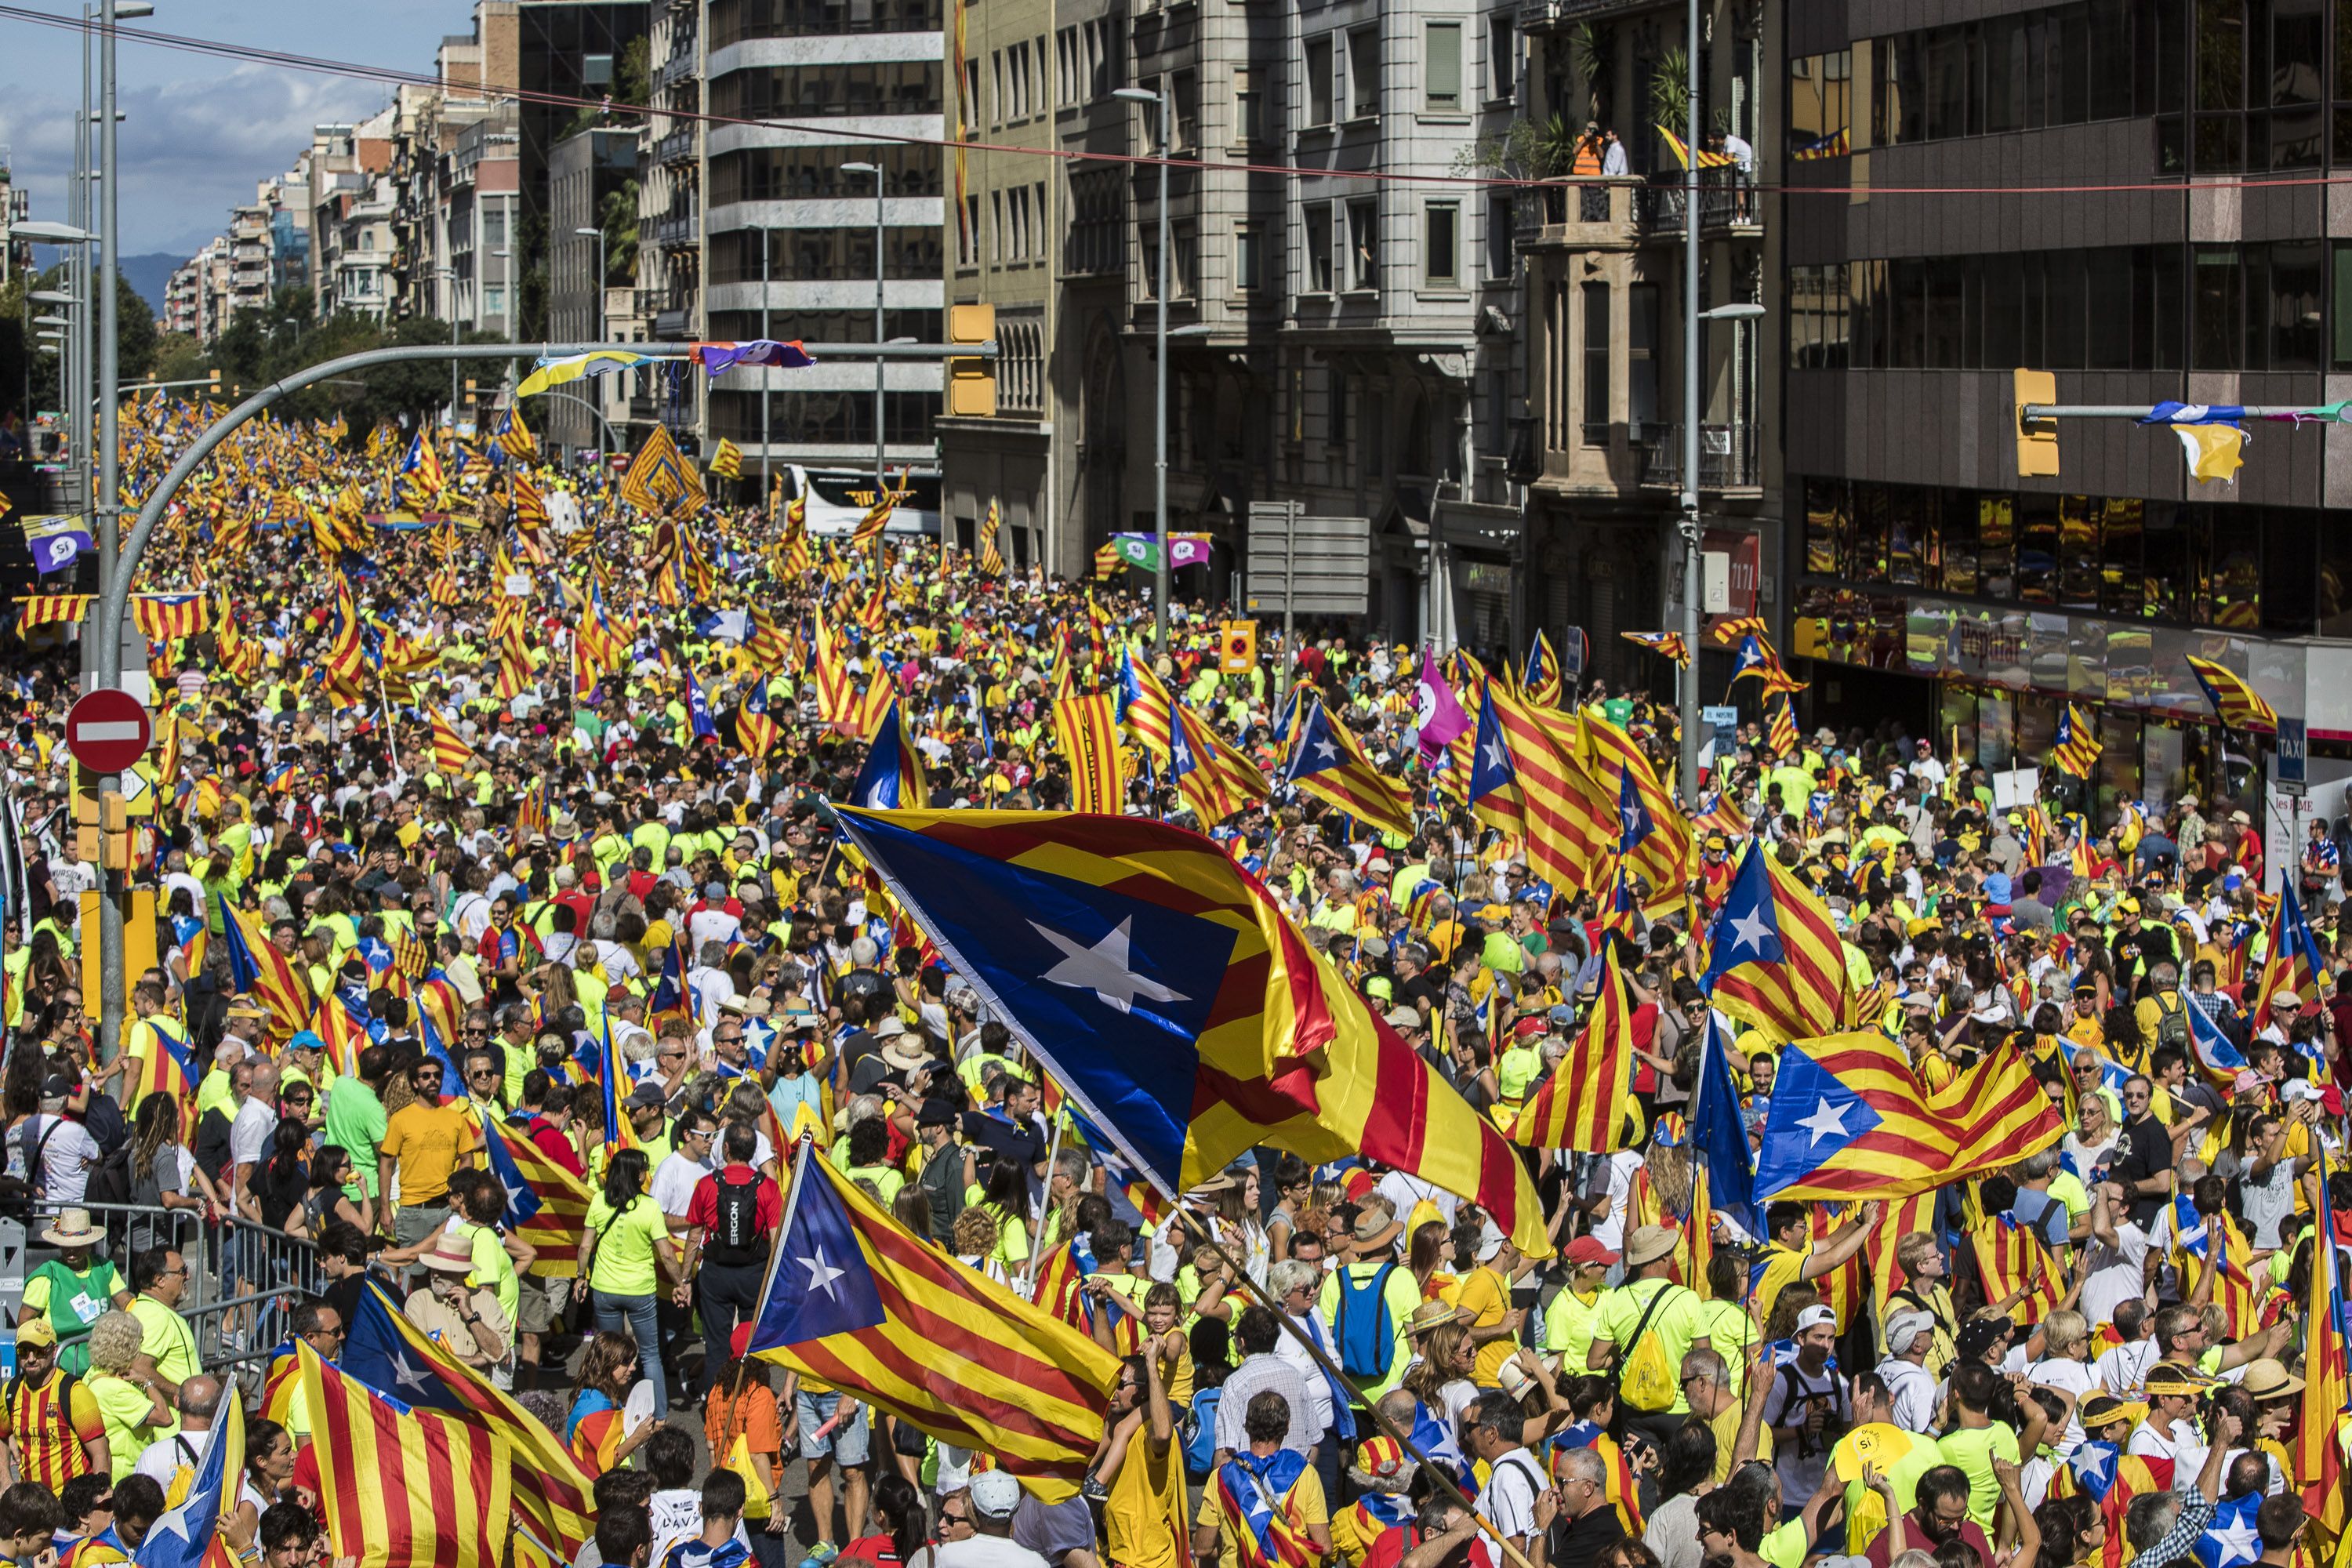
x: 1103, y: 969
x: 823, y: 1276
x: 1751, y: 930
x: 1826, y: 1122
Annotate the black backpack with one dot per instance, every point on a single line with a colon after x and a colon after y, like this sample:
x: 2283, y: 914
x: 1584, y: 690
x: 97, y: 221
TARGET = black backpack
x: 109, y: 1179
x: 735, y: 1239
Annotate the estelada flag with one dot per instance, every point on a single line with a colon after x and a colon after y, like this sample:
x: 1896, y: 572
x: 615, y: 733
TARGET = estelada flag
x: 1166, y: 990
x: 854, y: 1301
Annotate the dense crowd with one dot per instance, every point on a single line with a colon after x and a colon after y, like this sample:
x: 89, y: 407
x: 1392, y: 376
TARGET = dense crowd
x: 556, y: 877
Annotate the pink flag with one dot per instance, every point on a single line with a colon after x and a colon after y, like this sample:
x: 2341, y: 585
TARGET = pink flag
x: 1441, y: 718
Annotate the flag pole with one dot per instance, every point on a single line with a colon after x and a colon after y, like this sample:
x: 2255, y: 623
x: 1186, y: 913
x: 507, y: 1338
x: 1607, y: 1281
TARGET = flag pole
x: 1030, y: 1267
x: 390, y: 722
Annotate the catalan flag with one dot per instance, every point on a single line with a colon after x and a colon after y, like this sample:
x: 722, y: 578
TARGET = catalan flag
x: 1680, y: 150
x: 2318, y: 1467
x: 1540, y: 680
x: 1327, y: 763
x: 1568, y: 810
x: 1087, y: 734
x: 991, y: 558
x: 855, y: 1301
x: 1671, y: 643
x: 257, y: 969
x: 1775, y: 960
x: 1493, y: 792
x: 727, y: 462
x: 2075, y: 749
x: 1146, y: 705
x: 514, y: 437
x: 754, y: 731
x: 1212, y: 779
x: 50, y: 610
x: 451, y: 755
x: 189, y: 1533
x: 2010, y: 1259
x: 1259, y: 1496
x: 549, y: 1493
x: 660, y: 479
x: 892, y: 777
x: 1783, y: 716
x: 1849, y: 1121
x: 1164, y: 988
x: 2291, y: 961
x: 1582, y: 1105
x: 877, y: 517
x: 162, y: 617
x: 1757, y: 659
x: 2110, y: 1477
x: 2235, y: 703
x: 547, y: 1206
x: 403, y: 1486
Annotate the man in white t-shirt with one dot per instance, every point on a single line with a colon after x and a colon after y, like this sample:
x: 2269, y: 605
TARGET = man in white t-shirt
x: 673, y: 1181
x: 253, y: 1086
x: 182, y: 1448
x: 2120, y: 1369
x: 1517, y: 1499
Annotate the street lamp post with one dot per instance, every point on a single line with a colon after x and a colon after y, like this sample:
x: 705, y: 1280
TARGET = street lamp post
x: 881, y: 484
x: 765, y: 477
x: 62, y: 325
x: 1160, y: 589
x: 451, y: 274
x: 598, y: 236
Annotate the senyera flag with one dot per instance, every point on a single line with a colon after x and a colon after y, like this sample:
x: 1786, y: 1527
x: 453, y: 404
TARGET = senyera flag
x: 1162, y: 986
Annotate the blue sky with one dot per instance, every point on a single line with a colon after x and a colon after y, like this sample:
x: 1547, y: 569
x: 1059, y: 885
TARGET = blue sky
x: 200, y: 130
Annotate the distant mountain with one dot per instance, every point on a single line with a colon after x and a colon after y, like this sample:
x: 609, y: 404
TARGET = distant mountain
x: 150, y: 274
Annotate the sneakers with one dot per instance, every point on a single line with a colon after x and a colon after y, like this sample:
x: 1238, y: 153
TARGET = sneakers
x: 817, y: 1556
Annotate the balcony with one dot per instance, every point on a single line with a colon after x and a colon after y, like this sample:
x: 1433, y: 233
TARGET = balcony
x: 675, y: 231
x: 677, y: 147
x: 1727, y: 204
x: 1582, y: 216
x: 1727, y: 458
x: 680, y: 66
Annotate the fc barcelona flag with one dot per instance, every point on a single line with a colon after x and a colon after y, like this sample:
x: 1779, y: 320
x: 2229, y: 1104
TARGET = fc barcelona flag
x: 1088, y: 735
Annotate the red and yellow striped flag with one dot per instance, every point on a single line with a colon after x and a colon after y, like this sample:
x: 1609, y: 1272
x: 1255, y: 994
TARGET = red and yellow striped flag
x: 2012, y: 1258
x: 2318, y: 1467
x: 405, y: 1487
x: 451, y: 755
x: 1087, y: 733
x: 1569, y: 811
x: 1212, y: 778
x: 1582, y: 1105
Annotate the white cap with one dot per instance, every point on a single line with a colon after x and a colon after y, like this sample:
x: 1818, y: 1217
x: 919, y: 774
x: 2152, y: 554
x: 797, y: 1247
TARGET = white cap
x: 1904, y: 1327
x: 1817, y: 1316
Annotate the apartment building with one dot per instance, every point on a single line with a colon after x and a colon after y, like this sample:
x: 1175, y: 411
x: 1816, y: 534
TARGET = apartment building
x: 591, y: 293
x: 1929, y: 579
x: 1332, y: 340
x: 249, y: 239
x: 789, y: 233
x: 567, y: 57
x: 669, y: 219
x: 477, y: 196
x: 183, y: 302
x: 1602, y: 450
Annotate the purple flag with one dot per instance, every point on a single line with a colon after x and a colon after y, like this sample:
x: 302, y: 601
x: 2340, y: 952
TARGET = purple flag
x: 717, y: 357
x: 1440, y: 717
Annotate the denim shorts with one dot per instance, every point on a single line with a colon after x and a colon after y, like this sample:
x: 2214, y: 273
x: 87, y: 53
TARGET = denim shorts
x: 846, y: 1444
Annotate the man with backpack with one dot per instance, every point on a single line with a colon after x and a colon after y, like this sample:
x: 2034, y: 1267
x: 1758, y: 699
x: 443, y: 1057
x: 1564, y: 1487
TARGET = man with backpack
x: 1642, y: 1330
x: 733, y: 1212
x: 1366, y: 1303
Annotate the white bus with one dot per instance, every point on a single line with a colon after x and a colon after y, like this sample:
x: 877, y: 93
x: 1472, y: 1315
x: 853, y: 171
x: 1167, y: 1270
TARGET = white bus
x: 838, y: 501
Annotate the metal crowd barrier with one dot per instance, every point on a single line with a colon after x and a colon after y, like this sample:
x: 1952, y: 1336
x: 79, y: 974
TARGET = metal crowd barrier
x: 243, y: 1279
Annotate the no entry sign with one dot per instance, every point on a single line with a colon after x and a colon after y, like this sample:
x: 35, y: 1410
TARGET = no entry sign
x: 109, y: 730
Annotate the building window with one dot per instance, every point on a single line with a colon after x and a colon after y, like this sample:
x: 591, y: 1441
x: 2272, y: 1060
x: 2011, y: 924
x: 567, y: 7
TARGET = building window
x: 1363, y: 72
x: 1597, y: 335
x: 1442, y: 67
x: 1246, y: 107
x: 1502, y: 58
x: 1318, y: 248
x: 1820, y: 101
x: 1184, y: 256
x: 1066, y: 66
x: 1319, y: 90
x: 1245, y: 260
x: 996, y: 228
x: 968, y: 234
x: 493, y: 300
x: 1502, y: 253
x: 1187, y: 91
x: 1441, y: 261
x: 1364, y: 243
x: 1335, y: 407
x: 1642, y: 351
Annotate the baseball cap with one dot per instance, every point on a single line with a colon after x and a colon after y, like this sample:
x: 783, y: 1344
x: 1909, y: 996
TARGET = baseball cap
x: 1817, y: 1316
x: 1904, y: 1327
x: 1490, y: 1241
x: 648, y: 1094
x: 1590, y: 1249
x: 36, y: 1333
x: 994, y: 1494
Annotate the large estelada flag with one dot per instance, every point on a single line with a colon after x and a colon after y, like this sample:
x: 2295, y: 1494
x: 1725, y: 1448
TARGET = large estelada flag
x: 1164, y: 987
x: 856, y: 1302
x: 1849, y: 1121
x: 403, y: 1486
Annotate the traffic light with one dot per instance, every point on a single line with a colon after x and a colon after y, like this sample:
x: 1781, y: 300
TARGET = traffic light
x: 972, y: 380
x: 88, y: 844
x: 114, y: 832
x: 214, y: 379
x: 2037, y: 440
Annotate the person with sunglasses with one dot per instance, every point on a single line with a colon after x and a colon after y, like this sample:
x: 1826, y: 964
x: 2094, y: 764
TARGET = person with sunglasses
x: 423, y: 1143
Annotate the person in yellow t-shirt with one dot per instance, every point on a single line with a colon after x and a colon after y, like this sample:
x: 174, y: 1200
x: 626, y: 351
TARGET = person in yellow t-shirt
x: 1485, y: 1295
x: 1142, y: 1469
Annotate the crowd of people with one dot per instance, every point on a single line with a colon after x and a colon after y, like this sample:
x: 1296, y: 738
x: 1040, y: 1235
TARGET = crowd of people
x: 559, y: 869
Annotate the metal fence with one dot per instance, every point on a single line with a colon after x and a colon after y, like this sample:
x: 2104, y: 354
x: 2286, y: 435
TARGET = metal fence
x: 243, y: 1279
